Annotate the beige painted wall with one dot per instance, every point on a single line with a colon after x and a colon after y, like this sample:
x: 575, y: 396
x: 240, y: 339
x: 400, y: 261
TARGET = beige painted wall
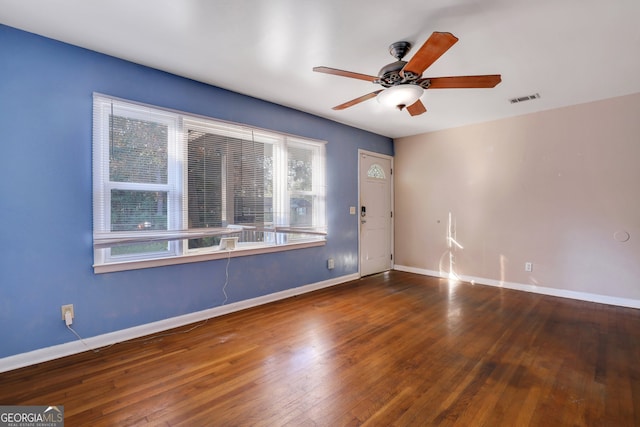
x: 551, y: 188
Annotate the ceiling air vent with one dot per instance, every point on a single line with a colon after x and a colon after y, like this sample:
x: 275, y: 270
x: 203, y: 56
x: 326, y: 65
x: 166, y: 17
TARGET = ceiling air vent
x: 524, y: 98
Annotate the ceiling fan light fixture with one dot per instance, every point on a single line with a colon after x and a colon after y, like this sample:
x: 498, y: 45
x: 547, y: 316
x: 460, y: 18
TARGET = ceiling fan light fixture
x: 400, y: 96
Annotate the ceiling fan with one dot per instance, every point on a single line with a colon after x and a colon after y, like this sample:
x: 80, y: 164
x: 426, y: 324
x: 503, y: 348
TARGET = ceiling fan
x: 403, y: 82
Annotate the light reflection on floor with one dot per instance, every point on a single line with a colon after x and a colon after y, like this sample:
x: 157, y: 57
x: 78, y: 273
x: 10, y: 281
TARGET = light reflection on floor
x: 310, y: 367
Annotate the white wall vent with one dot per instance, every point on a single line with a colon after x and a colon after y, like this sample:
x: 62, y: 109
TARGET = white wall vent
x: 524, y: 98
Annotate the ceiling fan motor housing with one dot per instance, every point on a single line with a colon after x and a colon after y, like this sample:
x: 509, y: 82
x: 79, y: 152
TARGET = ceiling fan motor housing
x: 391, y: 74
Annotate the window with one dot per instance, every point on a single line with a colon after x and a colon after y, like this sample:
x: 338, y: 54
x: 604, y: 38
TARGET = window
x: 376, y: 171
x: 169, y: 186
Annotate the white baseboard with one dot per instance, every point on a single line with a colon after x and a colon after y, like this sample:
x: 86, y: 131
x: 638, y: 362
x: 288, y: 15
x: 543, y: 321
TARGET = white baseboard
x: 563, y: 293
x: 54, y: 352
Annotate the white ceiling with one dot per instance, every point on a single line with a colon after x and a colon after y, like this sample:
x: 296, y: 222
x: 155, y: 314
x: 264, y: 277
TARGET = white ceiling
x: 568, y: 51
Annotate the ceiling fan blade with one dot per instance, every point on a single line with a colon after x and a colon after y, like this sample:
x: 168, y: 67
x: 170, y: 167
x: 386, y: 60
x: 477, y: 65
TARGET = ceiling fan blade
x: 465, y: 82
x: 343, y: 73
x: 357, y: 100
x: 436, y: 45
x: 417, y: 108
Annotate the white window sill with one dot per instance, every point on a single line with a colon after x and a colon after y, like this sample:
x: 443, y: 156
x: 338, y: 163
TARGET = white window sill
x: 185, y: 259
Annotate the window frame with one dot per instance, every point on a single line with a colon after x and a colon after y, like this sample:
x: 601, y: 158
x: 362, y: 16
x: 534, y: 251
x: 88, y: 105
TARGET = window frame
x: 318, y: 213
x: 178, y: 252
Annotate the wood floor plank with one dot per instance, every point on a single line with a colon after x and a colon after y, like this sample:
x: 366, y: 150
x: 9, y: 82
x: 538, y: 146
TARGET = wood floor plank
x: 394, y: 349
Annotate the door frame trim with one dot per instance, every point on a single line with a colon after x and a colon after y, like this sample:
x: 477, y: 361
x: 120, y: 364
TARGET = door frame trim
x: 393, y: 217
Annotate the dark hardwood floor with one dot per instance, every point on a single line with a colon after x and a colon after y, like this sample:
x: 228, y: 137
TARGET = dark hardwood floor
x: 395, y: 349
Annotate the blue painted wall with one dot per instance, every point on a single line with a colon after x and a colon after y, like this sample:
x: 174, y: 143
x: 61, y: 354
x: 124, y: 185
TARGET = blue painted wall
x: 46, y: 252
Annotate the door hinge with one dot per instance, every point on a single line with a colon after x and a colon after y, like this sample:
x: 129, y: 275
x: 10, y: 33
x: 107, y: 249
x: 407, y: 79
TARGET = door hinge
x: 391, y: 214
x: 391, y: 257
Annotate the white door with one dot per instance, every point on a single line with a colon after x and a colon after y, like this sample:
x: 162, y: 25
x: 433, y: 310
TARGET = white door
x: 375, y: 213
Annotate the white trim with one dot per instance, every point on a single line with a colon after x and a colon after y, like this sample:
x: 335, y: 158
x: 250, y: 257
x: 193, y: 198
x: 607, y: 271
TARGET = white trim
x: 74, y: 347
x: 264, y: 132
x: 563, y: 293
x: 185, y: 259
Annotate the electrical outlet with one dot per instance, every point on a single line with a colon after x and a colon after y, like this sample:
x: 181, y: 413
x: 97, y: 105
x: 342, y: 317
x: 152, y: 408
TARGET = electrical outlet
x: 528, y: 267
x: 331, y: 264
x: 65, y: 308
